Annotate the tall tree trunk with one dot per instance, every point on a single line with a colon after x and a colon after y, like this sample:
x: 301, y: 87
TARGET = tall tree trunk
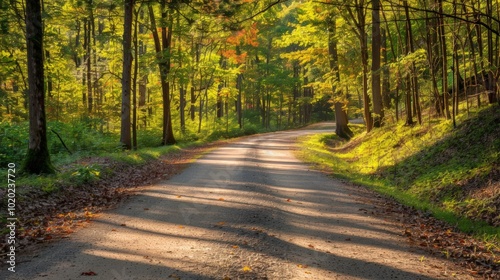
x: 386, y: 84
x: 414, y: 76
x: 239, y: 86
x: 341, y: 120
x: 433, y: 59
x: 378, y: 108
x: 444, y: 62
x: 134, y: 81
x: 182, y: 84
x: 37, y: 158
x: 125, y: 136
x: 163, y: 50
x: 358, y: 16
x: 491, y: 85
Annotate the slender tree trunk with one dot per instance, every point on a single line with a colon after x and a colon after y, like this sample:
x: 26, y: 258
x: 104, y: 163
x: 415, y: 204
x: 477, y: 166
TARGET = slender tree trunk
x: 492, y: 95
x: 444, y: 63
x: 125, y: 136
x: 134, y: 82
x: 341, y: 120
x: 386, y: 84
x: 378, y: 108
x: 433, y: 59
x: 359, y: 18
x: 163, y: 49
x: 37, y: 158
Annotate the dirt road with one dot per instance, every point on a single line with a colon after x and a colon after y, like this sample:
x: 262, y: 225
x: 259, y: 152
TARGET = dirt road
x: 248, y: 210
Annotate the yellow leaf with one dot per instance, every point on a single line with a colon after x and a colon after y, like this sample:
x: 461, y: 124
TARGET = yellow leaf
x: 221, y: 199
x: 247, y: 269
x: 235, y: 246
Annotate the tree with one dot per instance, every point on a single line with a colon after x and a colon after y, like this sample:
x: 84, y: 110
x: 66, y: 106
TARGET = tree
x: 358, y: 18
x: 163, y: 53
x: 125, y: 133
x: 341, y: 119
x: 38, y: 157
x: 378, y: 108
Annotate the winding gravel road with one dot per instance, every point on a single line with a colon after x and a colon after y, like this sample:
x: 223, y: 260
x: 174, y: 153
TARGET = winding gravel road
x: 248, y: 210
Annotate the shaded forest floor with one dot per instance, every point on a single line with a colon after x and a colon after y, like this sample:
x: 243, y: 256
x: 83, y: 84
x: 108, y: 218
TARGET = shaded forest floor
x: 443, y: 183
x: 44, y: 216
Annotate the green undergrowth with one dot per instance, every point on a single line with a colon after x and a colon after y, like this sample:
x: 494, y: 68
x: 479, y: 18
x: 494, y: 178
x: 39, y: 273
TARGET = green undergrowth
x: 452, y: 173
x: 82, y: 153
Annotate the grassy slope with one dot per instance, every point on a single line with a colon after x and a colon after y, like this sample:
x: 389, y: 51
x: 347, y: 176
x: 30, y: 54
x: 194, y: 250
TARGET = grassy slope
x: 453, y: 173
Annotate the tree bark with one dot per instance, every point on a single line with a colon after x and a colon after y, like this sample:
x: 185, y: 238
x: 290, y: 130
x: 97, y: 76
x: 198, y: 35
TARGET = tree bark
x: 163, y: 50
x: 125, y: 133
x: 444, y: 63
x: 38, y: 157
x: 414, y: 77
x: 378, y: 108
x: 341, y: 120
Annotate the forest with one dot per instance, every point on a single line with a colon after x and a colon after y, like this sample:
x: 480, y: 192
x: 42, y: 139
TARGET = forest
x: 98, y: 97
x: 154, y: 72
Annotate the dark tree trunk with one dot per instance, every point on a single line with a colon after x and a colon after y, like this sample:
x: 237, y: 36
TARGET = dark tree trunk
x: 414, y: 77
x: 444, y: 63
x: 38, y: 157
x: 125, y: 133
x: 134, y: 81
x: 378, y: 108
x: 341, y: 120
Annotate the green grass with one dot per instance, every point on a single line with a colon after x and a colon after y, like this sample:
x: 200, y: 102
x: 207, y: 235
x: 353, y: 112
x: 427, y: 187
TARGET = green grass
x: 433, y: 167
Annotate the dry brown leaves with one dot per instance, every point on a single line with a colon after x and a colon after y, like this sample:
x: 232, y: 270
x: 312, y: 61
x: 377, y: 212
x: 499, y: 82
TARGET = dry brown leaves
x: 439, y: 238
x: 45, y: 217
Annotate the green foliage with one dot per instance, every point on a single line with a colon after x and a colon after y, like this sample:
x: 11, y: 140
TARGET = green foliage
x: 13, y: 142
x: 431, y: 167
x: 86, y: 174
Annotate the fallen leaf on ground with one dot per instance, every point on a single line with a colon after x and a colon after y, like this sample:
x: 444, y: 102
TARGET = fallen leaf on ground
x: 88, y: 273
x: 289, y: 200
x: 221, y: 199
x: 246, y: 269
x: 174, y: 276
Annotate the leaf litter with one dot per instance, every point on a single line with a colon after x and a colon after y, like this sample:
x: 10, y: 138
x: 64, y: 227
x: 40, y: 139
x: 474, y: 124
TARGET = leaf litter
x: 44, y: 217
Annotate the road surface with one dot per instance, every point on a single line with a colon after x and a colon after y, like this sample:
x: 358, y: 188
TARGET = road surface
x: 248, y: 210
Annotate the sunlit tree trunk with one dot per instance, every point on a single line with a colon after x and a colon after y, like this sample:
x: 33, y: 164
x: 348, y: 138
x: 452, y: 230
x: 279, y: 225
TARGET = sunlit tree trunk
x: 340, y: 103
x: 163, y: 50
